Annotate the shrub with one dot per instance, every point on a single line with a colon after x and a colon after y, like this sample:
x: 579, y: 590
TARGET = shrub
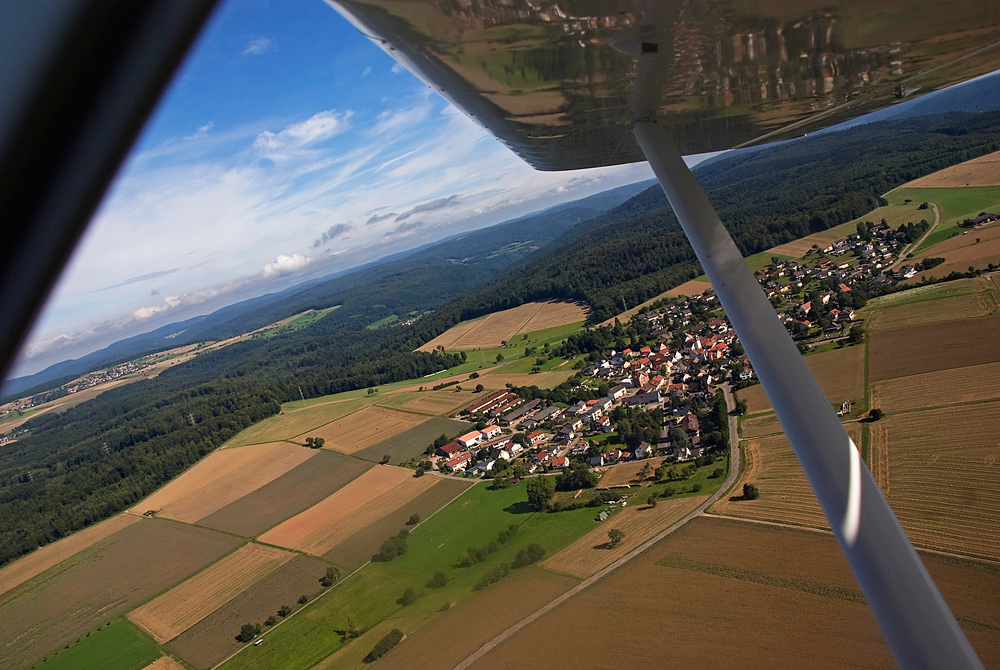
x: 750, y: 492
x: 303, y: 599
x: 382, y: 647
x: 409, y: 597
x: 440, y: 580
x: 248, y: 632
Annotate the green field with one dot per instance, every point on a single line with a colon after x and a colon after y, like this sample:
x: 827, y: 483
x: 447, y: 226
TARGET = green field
x: 472, y: 520
x: 954, y: 205
x: 298, y: 322
x: 118, y: 645
x: 483, y: 358
x: 938, y: 291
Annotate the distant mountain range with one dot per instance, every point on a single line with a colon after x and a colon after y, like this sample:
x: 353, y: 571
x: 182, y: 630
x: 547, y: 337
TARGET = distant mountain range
x: 469, y: 258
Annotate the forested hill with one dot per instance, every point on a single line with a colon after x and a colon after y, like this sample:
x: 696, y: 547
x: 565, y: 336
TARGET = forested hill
x: 96, y: 459
x: 416, y: 281
x: 775, y: 195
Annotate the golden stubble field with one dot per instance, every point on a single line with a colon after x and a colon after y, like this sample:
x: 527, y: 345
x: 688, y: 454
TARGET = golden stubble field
x: 978, y: 248
x: 954, y: 386
x: 943, y: 476
x: 982, y: 171
x: 172, y: 613
x: 375, y: 494
x: 500, y: 327
x: 364, y: 428
x: 628, y: 473
x: 288, y: 425
x: 222, y: 477
x: 979, y: 303
x: 785, y: 493
x: 592, y: 552
x: 841, y: 374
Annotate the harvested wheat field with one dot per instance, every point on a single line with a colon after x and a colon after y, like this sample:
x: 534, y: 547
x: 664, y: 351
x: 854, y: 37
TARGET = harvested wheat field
x: 214, y: 638
x: 365, y: 428
x: 933, y: 347
x: 222, y: 477
x: 288, y: 425
x: 982, y: 171
x: 552, y: 314
x: 169, y: 615
x: 101, y: 583
x: 961, y: 251
x: 50, y: 555
x: 785, y: 494
x: 628, y: 473
x: 543, y: 380
x: 944, y: 477
x: 840, y: 373
x: 436, y: 645
x: 935, y: 389
x: 164, y: 663
x: 980, y: 303
x: 785, y: 599
x: 439, y: 403
x: 371, y: 496
x: 448, y: 338
x: 760, y: 425
x: 298, y: 489
x: 593, y: 551
x: 496, y: 328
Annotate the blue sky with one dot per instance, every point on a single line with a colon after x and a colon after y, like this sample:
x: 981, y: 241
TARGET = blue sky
x: 287, y: 147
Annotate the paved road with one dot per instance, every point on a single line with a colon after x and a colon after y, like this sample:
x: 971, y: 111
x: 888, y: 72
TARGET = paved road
x: 734, y: 463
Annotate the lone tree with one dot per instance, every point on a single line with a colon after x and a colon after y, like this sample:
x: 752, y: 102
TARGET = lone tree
x: 248, y: 632
x: 413, y: 520
x: 540, y: 492
x: 440, y: 579
x: 750, y: 492
x: 409, y: 597
x: 876, y: 414
x: 616, y: 535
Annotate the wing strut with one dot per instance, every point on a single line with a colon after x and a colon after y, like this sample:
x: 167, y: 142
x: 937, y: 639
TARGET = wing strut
x: 917, y: 624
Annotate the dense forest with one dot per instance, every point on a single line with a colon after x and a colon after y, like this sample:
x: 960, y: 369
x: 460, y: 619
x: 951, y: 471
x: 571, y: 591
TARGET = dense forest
x: 75, y: 468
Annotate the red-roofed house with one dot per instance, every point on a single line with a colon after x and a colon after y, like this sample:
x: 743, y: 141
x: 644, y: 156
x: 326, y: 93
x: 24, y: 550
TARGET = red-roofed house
x: 559, y: 462
x: 449, y: 450
x: 458, y: 463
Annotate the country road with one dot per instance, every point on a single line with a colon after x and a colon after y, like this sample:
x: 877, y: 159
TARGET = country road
x: 916, y: 245
x: 734, y: 463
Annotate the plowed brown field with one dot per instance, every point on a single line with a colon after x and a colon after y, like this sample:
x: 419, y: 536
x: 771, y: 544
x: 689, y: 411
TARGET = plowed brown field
x: 937, y: 346
x: 371, y: 496
x: 841, y: 374
x: 42, y: 559
x: 935, y: 389
x: 593, y: 551
x: 944, y: 477
x: 785, y: 494
x: 365, y: 428
x: 962, y: 251
x: 183, y: 606
x: 221, y: 477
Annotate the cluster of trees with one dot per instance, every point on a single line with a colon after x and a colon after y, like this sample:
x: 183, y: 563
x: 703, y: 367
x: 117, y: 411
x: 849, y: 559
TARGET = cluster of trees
x: 635, y: 426
x: 576, y: 476
x: 331, y: 577
x: 525, y: 557
x: 475, y: 555
x: 392, y: 547
x: 382, y: 647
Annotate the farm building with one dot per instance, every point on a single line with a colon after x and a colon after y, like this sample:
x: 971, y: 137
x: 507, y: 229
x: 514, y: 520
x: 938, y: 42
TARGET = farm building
x: 469, y: 439
x: 458, y: 463
x: 449, y: 450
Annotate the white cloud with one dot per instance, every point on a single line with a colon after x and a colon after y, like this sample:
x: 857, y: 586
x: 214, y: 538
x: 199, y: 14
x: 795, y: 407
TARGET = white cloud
x: 201, y: 132
x: 367, y: 71
x: 285, y: 264
x: 396, y: 68
x: 317, y: 128
x: 257, y: 46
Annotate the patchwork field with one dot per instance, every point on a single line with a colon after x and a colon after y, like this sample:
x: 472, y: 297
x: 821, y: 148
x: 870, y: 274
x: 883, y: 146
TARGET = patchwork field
x: 841, y: 374
x: 971, y: 305
x: 439, y: 402
x: 934, y: 389
x: 298, y: 489
x: 101, y: 583
x: 293, y: 423
x: 785, y: 494
x: 50, y: 555
x: 115, y: 646
x: 500, y: 327
x: 592, y: 552
x: 412, y: 442
x: 784, y: 598
x: 222, y: 477
x: 933, y: 347
x: 214, y: 637
x: 376, y: 493
x: 977, y: 248
x: 944, y: 477
x: 365, y: 428
x: 355, y: 549
x: 982, y: 171
x: 494, y: 610
x: 172, y: 613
